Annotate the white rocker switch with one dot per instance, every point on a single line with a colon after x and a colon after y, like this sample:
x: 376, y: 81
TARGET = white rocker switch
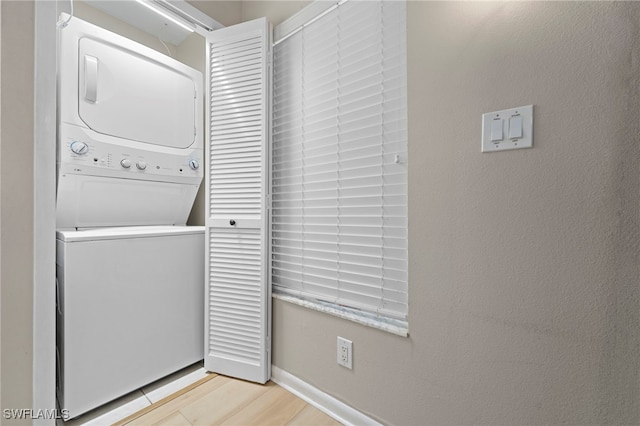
x: 496, y: 130
x: 515, y: 127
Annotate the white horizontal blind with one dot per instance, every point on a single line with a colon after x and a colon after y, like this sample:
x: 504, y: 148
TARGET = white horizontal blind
x: 339, y: 184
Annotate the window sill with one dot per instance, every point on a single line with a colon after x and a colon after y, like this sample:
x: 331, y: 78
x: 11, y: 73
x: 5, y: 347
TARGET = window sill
x: 397, y: 327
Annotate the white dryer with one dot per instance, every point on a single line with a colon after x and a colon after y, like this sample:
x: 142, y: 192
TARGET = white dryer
x: 130, y: 274
x: 129, y: 132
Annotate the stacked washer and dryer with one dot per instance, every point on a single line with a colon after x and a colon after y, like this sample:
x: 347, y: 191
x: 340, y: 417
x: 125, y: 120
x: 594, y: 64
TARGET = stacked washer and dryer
x: 130, y: 274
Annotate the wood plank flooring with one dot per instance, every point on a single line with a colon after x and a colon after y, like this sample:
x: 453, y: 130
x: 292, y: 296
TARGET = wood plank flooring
x: 220, y: 400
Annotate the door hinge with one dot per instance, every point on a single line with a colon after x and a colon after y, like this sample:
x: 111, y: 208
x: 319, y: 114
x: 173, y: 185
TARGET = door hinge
x: 268, y: 343
x: 268, y: 201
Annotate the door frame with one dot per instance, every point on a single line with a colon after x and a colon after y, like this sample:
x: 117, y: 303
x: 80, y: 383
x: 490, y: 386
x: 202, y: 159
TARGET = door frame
x: 44, y: 226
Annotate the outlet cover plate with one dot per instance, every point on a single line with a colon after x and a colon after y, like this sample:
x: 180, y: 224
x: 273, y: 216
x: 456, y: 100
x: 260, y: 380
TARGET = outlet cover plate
x: 345, y: 352
x: 526, y: 141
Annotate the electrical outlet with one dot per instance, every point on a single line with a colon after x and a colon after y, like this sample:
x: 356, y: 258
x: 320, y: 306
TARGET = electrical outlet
x: 345, y: 352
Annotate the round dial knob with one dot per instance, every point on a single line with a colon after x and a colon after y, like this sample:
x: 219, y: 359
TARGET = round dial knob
x: 194, y: 164
x: 141, y: 165
x: 126, y: 163
x: 79, y: 148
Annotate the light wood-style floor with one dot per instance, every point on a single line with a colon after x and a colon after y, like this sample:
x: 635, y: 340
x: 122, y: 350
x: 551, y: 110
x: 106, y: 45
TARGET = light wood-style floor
x: 220, y: 400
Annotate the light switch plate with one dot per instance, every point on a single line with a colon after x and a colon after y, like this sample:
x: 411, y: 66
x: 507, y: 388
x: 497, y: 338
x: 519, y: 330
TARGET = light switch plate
x: 526, y: 141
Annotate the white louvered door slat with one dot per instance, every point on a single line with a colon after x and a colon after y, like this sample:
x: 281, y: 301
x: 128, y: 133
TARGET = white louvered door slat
x: 238, y: 297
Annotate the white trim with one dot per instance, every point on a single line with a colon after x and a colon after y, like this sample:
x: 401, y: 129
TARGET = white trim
x: 324, y: 402
x: 191, y: 13
x: 306, y: 16
x: 44, y: 226
x: 400, y: 329
x: 175, y: 20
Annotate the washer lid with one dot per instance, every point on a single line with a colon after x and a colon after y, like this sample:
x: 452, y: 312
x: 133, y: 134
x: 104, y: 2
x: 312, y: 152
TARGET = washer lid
x: 127, y: 232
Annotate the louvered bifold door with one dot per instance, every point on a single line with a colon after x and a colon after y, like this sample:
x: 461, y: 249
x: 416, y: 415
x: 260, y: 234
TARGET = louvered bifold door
x: 238, y: 297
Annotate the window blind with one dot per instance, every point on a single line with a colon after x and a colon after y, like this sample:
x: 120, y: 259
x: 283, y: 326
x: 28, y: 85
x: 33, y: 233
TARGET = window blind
x: 339, y: 178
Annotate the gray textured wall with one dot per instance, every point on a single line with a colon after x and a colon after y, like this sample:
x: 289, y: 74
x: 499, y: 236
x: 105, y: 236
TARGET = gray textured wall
x: 524, y: 280
x: 16, y: 198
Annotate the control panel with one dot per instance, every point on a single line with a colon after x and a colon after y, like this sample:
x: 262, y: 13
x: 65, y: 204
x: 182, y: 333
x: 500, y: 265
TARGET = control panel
x: 80, y: 154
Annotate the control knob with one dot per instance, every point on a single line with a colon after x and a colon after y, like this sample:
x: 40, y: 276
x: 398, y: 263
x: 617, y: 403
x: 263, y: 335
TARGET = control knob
x: 79, y: 148
x: 194, y: 164
x: 141, y: 165
x: 126, y: 163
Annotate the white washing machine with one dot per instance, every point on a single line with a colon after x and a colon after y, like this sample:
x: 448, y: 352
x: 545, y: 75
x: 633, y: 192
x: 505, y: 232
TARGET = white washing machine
x: 130, y: 309
x: 130, y: 273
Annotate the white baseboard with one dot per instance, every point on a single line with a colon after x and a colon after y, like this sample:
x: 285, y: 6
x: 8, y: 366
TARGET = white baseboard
x: 322, y: 401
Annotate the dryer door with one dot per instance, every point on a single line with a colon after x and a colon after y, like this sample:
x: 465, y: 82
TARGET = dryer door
x: 129, y: 95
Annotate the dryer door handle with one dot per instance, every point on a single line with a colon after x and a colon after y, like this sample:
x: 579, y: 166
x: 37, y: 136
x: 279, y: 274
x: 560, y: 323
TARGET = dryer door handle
x: 90, y: 78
